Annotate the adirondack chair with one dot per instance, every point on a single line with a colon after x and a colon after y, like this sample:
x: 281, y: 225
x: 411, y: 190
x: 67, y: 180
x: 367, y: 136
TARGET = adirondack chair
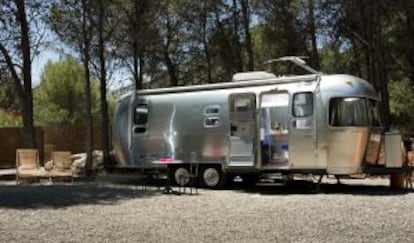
x: 27, y: 164
x: 62, y: 165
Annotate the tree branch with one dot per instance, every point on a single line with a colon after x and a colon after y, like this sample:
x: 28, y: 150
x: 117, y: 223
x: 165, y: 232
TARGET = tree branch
x: 12, y: 70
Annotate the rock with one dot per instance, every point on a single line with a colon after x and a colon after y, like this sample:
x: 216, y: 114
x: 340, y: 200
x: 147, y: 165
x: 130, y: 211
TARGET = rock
x: 79, y: 161
x: 97, y: 161
x: 49, y: 165
x: 78, y: 164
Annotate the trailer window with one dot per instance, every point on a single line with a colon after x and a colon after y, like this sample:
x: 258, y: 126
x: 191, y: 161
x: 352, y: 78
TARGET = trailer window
x: 212, y: 110
x: 242, y: 104
x: 348, y: 112
x: 374, y: 113
x: 141, y: 114
x: 302, y: 104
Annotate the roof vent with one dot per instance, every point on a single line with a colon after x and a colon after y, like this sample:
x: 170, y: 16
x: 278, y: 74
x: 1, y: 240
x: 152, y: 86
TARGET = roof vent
x: 257, y: 75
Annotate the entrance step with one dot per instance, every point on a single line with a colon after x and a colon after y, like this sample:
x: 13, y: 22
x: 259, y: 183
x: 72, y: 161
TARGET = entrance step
x: 276, y: 166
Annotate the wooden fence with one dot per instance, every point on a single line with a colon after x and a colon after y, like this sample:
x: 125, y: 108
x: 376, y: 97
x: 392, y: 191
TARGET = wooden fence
x: 49, y: 138
x: 12, y: 138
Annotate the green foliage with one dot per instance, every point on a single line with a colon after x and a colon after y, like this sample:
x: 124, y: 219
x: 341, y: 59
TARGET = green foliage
x: 8, y: 120
x: 193, y: 42
x: 402, y: 103
x: 335, y: 60
x: 8, y: 95
x: 60, y: 96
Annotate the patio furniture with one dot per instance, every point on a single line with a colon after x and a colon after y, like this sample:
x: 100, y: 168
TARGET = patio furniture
x: 168, y: 162
x: 190, y: 180
x: 62, y: 165
x: 149, y: 177
x: 27, y: 164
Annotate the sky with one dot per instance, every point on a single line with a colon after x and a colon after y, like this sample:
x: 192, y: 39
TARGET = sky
x: 39, y: 62
x: 52, y: 49
x: 118, y: 79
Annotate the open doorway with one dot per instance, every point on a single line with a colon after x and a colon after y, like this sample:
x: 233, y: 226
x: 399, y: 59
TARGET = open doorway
x: 274, y: 130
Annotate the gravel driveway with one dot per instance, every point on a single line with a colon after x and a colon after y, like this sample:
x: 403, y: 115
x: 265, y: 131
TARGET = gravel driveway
x: 108, y: 212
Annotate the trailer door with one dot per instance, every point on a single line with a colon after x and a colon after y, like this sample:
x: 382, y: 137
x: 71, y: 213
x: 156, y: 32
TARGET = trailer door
x: 242, y: 109
x: 139, y: 133
x: 302, y: 135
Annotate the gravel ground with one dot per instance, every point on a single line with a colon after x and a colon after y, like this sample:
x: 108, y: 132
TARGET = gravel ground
x: 357, y: 211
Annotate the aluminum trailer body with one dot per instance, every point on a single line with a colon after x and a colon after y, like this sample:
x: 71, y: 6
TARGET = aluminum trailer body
x: 319, y: 124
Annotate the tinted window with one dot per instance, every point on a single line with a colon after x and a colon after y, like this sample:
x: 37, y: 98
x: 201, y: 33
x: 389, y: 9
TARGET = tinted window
x: 141, y: 114
x: 302, y: 104
x: 345, y: 112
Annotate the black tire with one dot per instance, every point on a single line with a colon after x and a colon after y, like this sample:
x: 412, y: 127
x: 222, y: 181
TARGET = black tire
x: 212, y: 177
x: 181, y: 176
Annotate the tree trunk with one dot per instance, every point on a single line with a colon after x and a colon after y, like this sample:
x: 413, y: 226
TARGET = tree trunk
x: 13, y: 72
x: 384, y: 90
x: 380, y: 66
x: 206, y: 46
x: 138, y: 84
x: 141, y: 68
x: 104, y: 103
x: 409, y: 10
x: 86, y: 60
x: 226, y: 49
x: 237, y: 50
x: 208, y: 60
x: 248, y: 40
x: 367, y: 32
x: 135, y: 46
x: 28, y: 128
x: 312, y: 32
x: 171, y: 69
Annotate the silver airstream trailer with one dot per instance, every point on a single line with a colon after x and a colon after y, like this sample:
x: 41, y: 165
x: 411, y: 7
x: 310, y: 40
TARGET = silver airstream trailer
x: 256, y: 124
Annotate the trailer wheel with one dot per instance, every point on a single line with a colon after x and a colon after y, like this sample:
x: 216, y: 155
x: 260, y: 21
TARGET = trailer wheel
x: 181, y: 176
x: 213, y: 178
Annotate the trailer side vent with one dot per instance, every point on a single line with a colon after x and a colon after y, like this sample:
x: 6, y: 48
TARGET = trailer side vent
x: 212, y: 122
x: 257, y: 75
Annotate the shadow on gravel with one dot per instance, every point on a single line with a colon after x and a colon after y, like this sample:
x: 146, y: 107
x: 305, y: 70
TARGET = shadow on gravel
x: 307, y: 187
x: 58, y: 196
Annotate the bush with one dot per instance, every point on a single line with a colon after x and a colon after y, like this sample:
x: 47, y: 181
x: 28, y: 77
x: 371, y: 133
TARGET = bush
x: 8, y: 120
x: 402, y: 104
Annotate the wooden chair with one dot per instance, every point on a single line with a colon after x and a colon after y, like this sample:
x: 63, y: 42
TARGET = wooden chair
x: 27, y: 164
x: 62, y: 165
